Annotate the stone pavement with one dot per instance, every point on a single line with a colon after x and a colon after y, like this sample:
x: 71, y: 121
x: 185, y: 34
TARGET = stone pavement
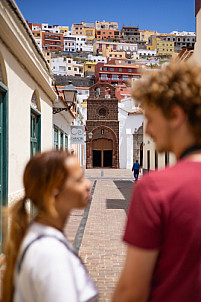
x: 97, y: 232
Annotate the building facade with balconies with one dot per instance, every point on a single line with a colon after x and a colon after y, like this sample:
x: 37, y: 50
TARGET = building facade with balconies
x: 180, y: 42
x: 116, y: 74
x: 69, y: 43
x: 130, y: 33
x: 77, y: 29
x: 106, y: 25
x: 74, y: 68
x: 104, y: 47
x: 105, y: 34
x: 52, y: 41
x: 89, y: 33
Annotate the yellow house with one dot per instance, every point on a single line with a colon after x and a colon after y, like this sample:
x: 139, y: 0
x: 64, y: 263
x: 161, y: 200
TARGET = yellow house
x: 64, y: 29
x: 89, y: 66
x: 108, y: 52
x: 47, y: 55
x: 164, y: 48
x: 116, y: 54
x: 89, y: 33
x: 150, y: 47
x: 145, y: 34
x: 37, y: 34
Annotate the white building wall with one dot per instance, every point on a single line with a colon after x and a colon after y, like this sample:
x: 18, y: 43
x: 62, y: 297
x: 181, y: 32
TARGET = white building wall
x: 149, y: 145
x: 87, y: 48
x: 39, y: 42
x: 36, y: 28
x: 80, y: 42
x: 63, y: 121
x: 97, y: 59
x: 73, y: 67
x: 147, y: 53
x: 127, y: 46
x: 46, y: 27
x: 183, y: 33
x: 69, y: 45
x: 25, y: 72
x: 197, y: 49
x: 21, y: 87
x: 127, y: 125
x: 58, y: 66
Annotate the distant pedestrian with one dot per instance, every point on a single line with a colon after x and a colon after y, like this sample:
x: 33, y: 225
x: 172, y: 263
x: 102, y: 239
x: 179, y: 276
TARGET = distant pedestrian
x: 163, y: 232
x: 136, y: 169
x: 41, y: 265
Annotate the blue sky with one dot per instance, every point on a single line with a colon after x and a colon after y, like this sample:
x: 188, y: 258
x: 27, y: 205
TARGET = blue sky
x: 163, y: 16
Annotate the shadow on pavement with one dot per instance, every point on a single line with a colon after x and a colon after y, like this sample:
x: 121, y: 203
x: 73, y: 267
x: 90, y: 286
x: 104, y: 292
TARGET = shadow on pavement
x: 126, y: 188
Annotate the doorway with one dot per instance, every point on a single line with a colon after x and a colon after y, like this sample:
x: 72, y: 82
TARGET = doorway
x: 107, y: 158
x: 102, y: 153
x: 97, y: 158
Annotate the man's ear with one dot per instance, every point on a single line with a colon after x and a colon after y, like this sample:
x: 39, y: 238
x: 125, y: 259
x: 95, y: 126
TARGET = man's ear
x: 55, y: 193
x: 177, y: 116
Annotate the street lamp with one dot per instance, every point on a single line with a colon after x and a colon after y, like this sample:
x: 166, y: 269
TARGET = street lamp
x: 90, y: 135
x: 69, y: 93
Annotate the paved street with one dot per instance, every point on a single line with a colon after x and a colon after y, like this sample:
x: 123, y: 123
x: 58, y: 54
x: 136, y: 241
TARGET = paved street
x: 97, y: 232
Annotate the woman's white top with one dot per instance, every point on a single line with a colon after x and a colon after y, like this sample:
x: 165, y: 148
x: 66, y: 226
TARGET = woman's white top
x: 50, y: 272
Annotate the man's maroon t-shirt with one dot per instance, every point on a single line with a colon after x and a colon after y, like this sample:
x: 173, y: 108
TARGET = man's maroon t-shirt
x: 165, y: 214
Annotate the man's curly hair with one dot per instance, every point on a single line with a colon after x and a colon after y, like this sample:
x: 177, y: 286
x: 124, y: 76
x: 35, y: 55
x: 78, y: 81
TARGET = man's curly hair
x: 177, y: 83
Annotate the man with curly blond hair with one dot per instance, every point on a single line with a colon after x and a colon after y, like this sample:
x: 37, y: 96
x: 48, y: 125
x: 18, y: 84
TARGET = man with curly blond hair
x: 163, y: 231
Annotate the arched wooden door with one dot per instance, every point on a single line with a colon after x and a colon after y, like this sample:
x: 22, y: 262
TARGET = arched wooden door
x: 102, y: 149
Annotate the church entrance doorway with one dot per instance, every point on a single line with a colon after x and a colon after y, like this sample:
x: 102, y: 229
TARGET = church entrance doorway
x: 102, y: 153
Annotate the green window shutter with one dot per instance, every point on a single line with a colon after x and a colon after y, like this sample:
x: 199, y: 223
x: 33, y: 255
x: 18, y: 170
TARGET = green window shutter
x: 56, y: 138
x: 35, y: 129
x: 3, y: 157
x: 61, y: 140
x: 66, y: 142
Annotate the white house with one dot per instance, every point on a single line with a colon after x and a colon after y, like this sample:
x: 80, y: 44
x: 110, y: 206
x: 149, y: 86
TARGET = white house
x: 49, y: 28
x: 74, y: 68
x: 130, y: 133
x: 26, y: 97
x: 147, y: 52
x: 82, y: 96
x: 66, y: 115
x: 39, y: 43
x: 78, y: 40
x: 151, y: 160
x: 87, y: 48
x: 97, y: 59
x: 62, y: 122
x: 69, y: 43
x: 183, y: 33
x: 58, y: 65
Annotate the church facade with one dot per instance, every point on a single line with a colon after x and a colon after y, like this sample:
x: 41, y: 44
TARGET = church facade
x: 102, y: 150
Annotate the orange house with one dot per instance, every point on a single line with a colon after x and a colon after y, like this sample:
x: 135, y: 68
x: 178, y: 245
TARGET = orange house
x: 52, y: 41
x: 104, y: 34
